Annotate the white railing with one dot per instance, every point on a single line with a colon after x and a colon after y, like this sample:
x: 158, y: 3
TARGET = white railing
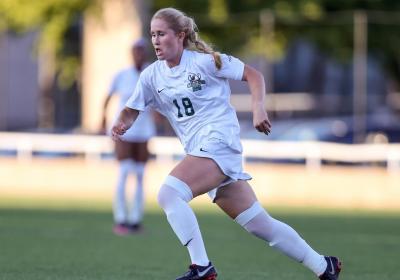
x: 288, y: 102
x: 313, y: 153
x: 25, y: 144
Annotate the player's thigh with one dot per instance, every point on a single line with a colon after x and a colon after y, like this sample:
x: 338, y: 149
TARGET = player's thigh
x: 123, y: 150
x: 235, y: 198
x: 199, y: 173
x: 140, y: 152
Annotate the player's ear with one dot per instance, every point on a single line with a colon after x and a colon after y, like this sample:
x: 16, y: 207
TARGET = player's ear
x: 181, y: 36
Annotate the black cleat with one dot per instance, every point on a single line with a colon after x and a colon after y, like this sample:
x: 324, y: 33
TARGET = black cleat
x: 332, y: 270
x: 198, y: 272
x: 135, y: 228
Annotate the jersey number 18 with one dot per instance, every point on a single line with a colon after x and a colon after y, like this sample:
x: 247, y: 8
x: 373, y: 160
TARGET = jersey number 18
x: 187, y: 106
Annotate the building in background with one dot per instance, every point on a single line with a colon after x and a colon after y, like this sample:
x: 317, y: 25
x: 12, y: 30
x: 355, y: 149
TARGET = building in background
x: 19, y: 86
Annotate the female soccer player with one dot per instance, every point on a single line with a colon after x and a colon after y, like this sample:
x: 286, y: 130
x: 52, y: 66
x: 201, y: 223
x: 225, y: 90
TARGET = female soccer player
x: 189, y: 85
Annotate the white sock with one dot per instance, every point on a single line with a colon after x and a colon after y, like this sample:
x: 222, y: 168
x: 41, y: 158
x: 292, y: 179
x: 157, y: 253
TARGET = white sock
x: 119, y: 206
x: 137, y: 208
x: 197, y: 251
x: 173, y: 197
x: 281, y: 237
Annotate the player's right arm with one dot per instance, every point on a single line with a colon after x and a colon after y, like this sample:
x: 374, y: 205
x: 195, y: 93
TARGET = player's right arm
x: 140, y: 100
x: 125, y: 120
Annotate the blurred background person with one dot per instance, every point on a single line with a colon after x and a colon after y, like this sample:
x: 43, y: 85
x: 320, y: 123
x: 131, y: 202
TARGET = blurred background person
x: 131, y: 151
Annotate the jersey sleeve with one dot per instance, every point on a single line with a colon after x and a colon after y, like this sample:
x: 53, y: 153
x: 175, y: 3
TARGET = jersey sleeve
x: 232, y: 68
x: 142, y: 97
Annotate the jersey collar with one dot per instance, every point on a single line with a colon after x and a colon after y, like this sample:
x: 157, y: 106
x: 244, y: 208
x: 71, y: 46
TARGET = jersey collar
x: 180, y: 68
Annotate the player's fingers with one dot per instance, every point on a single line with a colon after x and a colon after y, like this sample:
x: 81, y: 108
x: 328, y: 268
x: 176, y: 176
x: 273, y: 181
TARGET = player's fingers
x: 259, y: 127
x: 119, y: 129
x: 122, y: 128
x: 264, y: 127
x: 116, y: 131
x: 114, y: 135
x: 267, y: 127
x: 268, y: 123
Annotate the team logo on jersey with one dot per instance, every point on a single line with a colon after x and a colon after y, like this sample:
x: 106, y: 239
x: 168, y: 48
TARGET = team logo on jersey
x: 195, y: 81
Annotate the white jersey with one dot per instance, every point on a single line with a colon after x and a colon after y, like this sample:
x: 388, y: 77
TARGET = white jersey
x: 124, y: 85
x: 194, y: 96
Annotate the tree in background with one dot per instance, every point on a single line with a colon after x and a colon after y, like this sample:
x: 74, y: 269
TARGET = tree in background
x: 234, y: 26
x: 57, y: 48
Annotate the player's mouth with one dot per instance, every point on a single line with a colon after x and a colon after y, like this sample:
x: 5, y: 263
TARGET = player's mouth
x: 158, y: 51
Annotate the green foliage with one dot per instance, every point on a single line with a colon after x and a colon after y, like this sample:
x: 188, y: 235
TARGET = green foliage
x: 233, y: 25
x: 326, y: 23
x: 52, y: 18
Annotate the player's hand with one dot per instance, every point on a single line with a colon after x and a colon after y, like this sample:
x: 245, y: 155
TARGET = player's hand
x: 261, y: 121
x: 117, y: 130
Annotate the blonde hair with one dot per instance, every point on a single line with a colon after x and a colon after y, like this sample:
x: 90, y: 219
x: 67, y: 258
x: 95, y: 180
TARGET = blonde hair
x: 179, y: 22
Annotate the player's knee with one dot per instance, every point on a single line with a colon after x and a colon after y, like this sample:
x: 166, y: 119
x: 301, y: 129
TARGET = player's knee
x: 249, y: 214
x: 172, y: 189
x: 165, y: 196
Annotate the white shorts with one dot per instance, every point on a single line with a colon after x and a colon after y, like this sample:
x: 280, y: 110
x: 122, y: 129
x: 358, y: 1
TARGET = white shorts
x: 229, y: 159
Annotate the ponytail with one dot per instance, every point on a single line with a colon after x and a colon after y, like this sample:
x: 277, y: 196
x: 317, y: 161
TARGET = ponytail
x: 202, y: 47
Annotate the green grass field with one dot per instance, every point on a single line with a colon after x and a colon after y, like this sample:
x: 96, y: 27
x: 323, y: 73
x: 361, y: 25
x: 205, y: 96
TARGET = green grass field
x: 78, y: 244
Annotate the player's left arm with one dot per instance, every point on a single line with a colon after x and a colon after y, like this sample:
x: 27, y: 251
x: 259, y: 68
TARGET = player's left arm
x: 257, y: 89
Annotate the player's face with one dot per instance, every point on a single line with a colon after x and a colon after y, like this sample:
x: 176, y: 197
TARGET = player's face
x: 167, y: 44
